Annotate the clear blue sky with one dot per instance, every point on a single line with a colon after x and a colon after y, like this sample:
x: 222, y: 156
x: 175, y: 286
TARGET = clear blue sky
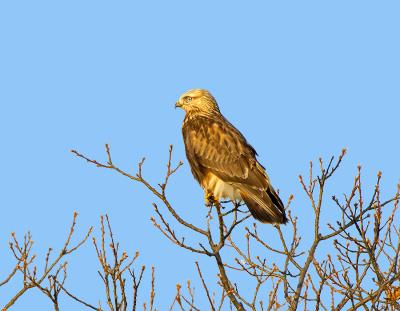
x: 300, y: 79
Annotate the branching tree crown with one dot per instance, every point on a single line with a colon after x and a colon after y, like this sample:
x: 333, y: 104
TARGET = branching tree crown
x: 361, y: 270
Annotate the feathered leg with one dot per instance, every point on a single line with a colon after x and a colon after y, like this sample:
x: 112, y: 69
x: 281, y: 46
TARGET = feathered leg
x: 209, y: 198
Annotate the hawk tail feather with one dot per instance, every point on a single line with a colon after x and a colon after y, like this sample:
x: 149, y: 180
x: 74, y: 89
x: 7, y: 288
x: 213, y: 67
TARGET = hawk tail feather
x: 265, y: 206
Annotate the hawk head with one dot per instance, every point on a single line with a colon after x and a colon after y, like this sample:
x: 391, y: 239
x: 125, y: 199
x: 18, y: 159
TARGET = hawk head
x: 198, y: 100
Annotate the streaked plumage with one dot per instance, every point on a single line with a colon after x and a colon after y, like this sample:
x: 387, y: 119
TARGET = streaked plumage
x: 223, y: 162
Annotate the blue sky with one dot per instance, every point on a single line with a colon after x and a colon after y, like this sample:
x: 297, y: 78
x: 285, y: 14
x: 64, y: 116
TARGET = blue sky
x: 300, y: 79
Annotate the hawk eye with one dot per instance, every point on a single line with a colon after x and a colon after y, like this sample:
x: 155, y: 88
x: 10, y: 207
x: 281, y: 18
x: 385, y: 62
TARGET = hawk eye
x: 188, y: 99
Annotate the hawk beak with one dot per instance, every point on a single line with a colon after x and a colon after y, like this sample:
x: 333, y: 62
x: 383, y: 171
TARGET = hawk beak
x: 178, y: 104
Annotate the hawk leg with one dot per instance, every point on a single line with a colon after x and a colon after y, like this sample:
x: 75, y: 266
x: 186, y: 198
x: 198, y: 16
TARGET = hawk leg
x: 209, y: 198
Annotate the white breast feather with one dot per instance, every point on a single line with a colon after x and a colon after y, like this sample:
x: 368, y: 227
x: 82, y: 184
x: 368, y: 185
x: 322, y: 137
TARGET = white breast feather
x: 221, y: 189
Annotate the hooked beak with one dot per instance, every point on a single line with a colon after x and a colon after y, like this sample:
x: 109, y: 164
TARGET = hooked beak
x: 178, y: 104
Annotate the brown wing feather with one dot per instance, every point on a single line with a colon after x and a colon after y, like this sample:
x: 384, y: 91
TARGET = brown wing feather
x: 214, y: 145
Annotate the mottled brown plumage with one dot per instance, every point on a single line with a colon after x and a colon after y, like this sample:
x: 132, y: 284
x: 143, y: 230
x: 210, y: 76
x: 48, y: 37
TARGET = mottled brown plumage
x: 223, y: 162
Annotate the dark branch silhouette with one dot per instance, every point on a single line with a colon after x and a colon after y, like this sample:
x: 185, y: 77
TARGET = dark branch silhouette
x: 360, y: 270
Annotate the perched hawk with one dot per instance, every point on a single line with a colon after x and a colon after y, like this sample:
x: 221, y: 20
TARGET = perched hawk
x: 223, y: 162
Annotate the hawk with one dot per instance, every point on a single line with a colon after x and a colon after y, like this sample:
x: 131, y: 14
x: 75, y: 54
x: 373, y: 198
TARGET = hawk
x: 223, y: 162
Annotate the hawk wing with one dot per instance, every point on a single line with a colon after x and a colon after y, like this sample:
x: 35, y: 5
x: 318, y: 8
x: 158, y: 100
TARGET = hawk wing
x: 213, y: 145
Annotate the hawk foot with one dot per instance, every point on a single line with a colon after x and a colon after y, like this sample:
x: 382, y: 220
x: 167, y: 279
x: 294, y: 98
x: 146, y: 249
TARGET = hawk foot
x: 209, y: 199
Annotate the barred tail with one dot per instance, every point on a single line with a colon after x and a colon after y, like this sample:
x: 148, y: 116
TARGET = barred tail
x: 265, y: 206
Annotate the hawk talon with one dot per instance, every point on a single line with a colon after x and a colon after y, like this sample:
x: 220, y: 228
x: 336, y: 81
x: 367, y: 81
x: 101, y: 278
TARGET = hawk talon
x: 209, y: 199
